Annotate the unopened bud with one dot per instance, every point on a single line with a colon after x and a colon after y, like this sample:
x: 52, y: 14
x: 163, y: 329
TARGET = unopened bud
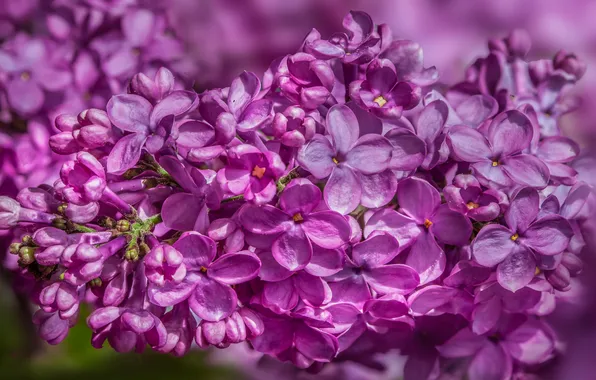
x: 62, y: 208
x: 14, y: 248
x: 26, y: 255
x: 132, y: 254
x: 123, y: 225
x: 27, y: 240
x: 95, y: 283
x: 131, y: 173
x: 59, y: 223
x: 144, y: 249
x: 150, y: 183
x: 107, y: 222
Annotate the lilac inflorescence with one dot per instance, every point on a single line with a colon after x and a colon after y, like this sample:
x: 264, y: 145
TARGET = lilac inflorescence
x: 338, y: 207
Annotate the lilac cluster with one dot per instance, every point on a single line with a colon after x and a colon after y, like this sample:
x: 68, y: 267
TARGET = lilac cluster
x: 339, y: 207
x: 62, y: 56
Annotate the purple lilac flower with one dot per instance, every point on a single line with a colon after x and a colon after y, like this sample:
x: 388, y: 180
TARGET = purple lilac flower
x: 207, y: 281
x: 296, y: 225
x: 353, y: 179
x: 516, y: 247
x: 498, y: 158
x: 209, y: 224
x: 422, y: 225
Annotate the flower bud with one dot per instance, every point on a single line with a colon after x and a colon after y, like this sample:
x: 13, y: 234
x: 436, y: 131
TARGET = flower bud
x: 26, y: 255
x: 123, y: 225
x: 14, y: 248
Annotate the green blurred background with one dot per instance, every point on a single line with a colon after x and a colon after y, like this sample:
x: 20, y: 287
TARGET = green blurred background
x: 22, y: 356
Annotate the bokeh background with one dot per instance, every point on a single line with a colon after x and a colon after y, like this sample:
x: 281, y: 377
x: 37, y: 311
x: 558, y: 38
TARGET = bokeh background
x: 224, y: 37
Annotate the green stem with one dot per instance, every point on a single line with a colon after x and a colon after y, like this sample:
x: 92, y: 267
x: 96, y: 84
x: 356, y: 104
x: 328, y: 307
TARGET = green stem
x: 80, y: 228
x: 283, y: 181
x: 233, y: 199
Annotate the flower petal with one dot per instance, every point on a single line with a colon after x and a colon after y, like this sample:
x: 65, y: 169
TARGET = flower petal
x: 492, y: 245
x: 417, y: 198
x: 317, y: 157
x: 370, y: 155
x: 242, y: 91
x: 408, y: 150
x: 343, y: 190
x: 426, y: 257
x: 342, y: 125
x: 377, y: 189
x: 183, y: 212
x: 490, y: 363
x: 198, y: 250
x: 263, y: 220
x: 292, y: 249
x: 549, y: 235
x: 517, y: 270
x: 211, y: 300
x: 126, y: 153
x: 468, y: 144
x: 527, y: 170
x: 171, y: 293
x: 312, y: 289
x: 395, y: 278
x: 300, y: 196
x: 325, y: 262
x: 451, y: 227
x: 375, y: 251
x: 129, y: 112
x: 523, y: 209
x: 327, y: 229
x: 235, y: 268
x: 510, y: 133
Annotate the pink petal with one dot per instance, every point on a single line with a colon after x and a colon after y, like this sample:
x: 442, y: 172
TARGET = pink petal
x: 212, y: 301
x: 235, y: 268
x: 292, y: 249
x: 327, y: 229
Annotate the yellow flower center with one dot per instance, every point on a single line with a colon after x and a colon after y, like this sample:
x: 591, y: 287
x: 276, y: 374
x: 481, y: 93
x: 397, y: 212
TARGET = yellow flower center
x: 258, y: 172
x: 427, y: 223
x: 495, y: 163
x: 25, y: 76
x: 335, y: 161
x: 380, y: 100
x: 471, y: 205
x: 203, y: 270
x: 514, y: 237
x: 297, y: 217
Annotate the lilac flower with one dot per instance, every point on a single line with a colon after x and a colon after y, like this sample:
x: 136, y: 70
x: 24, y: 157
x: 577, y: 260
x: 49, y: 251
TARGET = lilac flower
x: 187, y: 210
x: 499, y: 159
x: 91, y: 129
x: 527, y: 342
x: 466, y: 196
x: 284, y: 289
x: 164, y: 263
x: 296, y: 225
x: 295, y: 126
x: 150, y: 125
x: 407, y: 57
x: 12, y: 213
x: 381, y: 93
x: 556, y: 152
x: 295, y: 341
x: 60, y: 297
x: 31, y: 70
x: 353, y: 179
x: 83, y: 180
x: 236, y: 328
x: 305, y: 80
x: 422, y: 224
x: 370, y: 269
x: 51, y: 327
x: 180, y: 326
x: 228, y: 234
x: 207, y: 282
x: 131, y: 326
x: 517, y: 246
x: 251, y: 173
